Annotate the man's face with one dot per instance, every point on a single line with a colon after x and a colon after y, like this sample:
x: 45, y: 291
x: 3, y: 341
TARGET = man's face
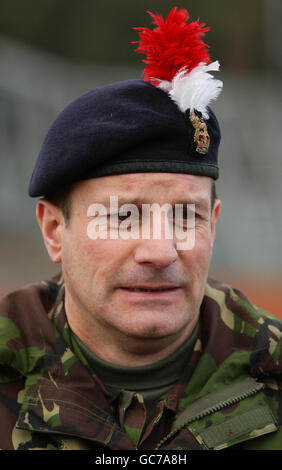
x: 107, y: 280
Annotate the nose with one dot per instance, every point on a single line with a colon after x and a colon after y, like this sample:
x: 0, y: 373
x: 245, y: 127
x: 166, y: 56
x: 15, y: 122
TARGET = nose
x: 159, y: 253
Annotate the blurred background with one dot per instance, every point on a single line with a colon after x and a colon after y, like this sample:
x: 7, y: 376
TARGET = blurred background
x: 53, y: 50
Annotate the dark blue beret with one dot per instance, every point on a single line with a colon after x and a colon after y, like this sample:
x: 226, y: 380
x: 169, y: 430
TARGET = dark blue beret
x: 124, y: 127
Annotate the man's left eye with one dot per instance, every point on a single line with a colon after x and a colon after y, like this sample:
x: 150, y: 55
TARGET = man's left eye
x: 122, y: 217
x: 185, y: 214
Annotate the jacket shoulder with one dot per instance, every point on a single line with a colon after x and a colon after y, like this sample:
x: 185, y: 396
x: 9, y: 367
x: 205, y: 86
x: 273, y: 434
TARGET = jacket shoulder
x: 232, y: 298
x: 30, y: 297
x: 254, y: 329
x: 25, y: 326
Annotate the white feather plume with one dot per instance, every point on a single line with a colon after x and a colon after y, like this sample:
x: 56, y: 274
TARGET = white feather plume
x: 194, y: 90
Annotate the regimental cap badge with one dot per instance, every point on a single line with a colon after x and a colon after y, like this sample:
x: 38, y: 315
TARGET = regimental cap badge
x: 201, y: 136
x: 177, y: 62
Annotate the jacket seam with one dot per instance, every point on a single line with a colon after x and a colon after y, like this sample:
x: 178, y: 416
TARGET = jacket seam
x: 73, y: 407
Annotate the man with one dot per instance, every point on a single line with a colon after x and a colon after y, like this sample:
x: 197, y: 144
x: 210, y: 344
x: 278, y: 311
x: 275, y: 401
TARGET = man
x: 133, y: 347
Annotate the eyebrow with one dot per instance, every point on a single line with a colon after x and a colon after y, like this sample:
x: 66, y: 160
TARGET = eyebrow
x: 198, y: 201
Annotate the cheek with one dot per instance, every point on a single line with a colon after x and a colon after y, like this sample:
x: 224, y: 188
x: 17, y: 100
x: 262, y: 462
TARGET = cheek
x: 92, y: 261
x: 79, y: 247
x: 197, y: 260
x: 78, y: 254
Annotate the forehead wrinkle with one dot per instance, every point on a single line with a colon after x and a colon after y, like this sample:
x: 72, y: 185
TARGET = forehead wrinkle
x: 149, y: 188
x: 137, y: 186
x: 135, y: 180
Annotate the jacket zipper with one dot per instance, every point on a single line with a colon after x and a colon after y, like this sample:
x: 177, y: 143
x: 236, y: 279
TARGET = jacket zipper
x: 212, y: 409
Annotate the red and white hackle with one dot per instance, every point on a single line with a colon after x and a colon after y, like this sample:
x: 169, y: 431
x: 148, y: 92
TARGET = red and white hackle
x: 177, y: 61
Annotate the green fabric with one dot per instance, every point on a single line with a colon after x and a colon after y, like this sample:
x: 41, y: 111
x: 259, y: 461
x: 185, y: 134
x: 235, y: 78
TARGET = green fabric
x: 240, y: 426
x: 152, y: 381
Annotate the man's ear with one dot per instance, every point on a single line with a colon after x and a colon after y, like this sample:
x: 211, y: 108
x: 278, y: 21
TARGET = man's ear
x: 214, y: 216
x: 51, y: 221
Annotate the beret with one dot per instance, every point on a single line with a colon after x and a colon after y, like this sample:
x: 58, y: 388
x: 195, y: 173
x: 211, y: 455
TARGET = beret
x: 129, y: 126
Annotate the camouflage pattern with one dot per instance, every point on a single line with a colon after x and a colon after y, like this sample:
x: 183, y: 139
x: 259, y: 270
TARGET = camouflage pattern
x: 230, y: 395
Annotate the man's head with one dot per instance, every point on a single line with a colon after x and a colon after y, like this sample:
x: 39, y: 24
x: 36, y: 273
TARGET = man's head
x: 127, y: 139
x: 153, y: 141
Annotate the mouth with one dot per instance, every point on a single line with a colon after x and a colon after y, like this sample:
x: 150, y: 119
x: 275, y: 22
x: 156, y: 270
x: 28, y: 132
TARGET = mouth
x: 159, y: 291
x: 146, y: 289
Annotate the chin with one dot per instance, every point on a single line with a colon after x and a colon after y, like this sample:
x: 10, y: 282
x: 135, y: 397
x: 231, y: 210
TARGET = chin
x: 157, y: 329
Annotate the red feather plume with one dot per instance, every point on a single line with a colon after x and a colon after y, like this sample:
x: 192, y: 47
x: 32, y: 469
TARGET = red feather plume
x: 172, y: 45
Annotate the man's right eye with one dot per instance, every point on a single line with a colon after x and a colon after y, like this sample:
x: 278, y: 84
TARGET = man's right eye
x: 122, y: 217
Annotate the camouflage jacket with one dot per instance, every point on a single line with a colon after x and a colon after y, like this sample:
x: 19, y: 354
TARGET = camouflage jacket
x: 230, y: 395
